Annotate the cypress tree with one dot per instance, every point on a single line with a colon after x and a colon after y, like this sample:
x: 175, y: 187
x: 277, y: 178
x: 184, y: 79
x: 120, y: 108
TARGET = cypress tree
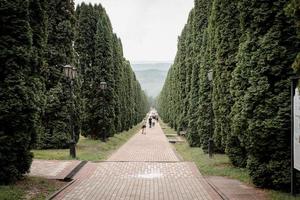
x: 227, y: 36
x: 200, y: 24
x: 100, y: 113
x: 101, y: 59
x: 250, y: 45
x: 205, y: 103
x: 59, y: 52
x: 84, y: 42
x: 87, y: 17
x: 18, y: 108
x: 38, y: 24
x: 188, y: 66
x: 104, y: 63
x: 118, y: 78
x: 175, y: 83
x: 204, y: 96
x: 293, y: 10
x: 268, y: 49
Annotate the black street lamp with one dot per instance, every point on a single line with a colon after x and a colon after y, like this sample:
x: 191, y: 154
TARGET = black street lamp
x: 103, y: 87
x: 210, y: 140
x: 71, y: 73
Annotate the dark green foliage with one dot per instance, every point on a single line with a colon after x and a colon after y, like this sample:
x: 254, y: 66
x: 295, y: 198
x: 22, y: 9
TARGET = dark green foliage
x: 199, y: 25
x: 58, y: 53
x: 205, y: 105
x: 18, y: 89
x: 105, y: 71
x: 36, y: 103
x: 251, y: 46
x: 118, y: 58
x: 181, y: 122
x: 123, y: 104
x: 205, y: 121
x: 227, y: 36
x: 293, y: 10
x: 271, y: 44
x: 38, y: 24
x: 187, y: 65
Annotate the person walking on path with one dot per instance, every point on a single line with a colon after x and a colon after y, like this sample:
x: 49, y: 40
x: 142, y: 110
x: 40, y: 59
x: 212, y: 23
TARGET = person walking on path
x: 150, y: 122
x: 144, y: 127
x: 153, y: 121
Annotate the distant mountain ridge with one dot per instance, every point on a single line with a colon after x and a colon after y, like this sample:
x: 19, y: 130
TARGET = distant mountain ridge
x: 151, y: 76
x: 150, y: 66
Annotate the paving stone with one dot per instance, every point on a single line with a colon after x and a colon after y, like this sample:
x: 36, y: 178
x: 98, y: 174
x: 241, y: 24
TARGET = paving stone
x: 152, y: 146
x: 52, y: 169
x: 141, y: 180
x: 145, y: 168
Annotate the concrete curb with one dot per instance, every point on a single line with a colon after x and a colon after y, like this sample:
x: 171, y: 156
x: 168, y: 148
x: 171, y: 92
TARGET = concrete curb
x: 216, y: 189
x: 69, y: 179
x: 75, y: 171
x: 52, y: 196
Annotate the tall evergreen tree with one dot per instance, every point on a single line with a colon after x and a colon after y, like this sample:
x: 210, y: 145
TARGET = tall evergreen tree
x: 250, y: 45
x: 104, y: 63
x: 101, y: 59
x: 205, y: 126
x: 87, y: 17
x: 269, y: 46
x: 293, y: 10
x: 199, y: 25
x: 60, y: 52
x: 180, y: 64
x: 226, y: 40
x: 227, y: 36
x: 118, y: 61
x: 188, y: 66
x: 18, y: 110
x: 38, y: 24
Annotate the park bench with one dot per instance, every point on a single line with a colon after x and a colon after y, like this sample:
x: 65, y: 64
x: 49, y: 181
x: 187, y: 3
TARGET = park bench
x: 174, y: 138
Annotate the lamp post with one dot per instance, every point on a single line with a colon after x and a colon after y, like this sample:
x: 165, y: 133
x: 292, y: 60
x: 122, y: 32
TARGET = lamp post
x: 71, y: 73
x: 103, y: 87
x: 210, y: 140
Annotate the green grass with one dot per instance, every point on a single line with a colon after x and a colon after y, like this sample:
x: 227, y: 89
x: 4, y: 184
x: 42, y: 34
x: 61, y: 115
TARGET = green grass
x: 88, y: 149
x: 219, y: 165
x: 31, y: 188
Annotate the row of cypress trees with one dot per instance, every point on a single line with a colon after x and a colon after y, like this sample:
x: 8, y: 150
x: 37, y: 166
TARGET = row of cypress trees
x: 38, y: 38
x: 101, y: 59
x: 250, y: 46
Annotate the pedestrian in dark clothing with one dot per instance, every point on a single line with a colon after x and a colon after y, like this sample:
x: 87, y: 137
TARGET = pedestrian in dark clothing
x: 150, y: 122
x: 144, y: 127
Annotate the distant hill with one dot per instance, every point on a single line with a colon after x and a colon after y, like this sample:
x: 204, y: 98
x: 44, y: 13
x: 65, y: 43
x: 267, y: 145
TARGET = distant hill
x: 151, y: 76
x: 148, y: 66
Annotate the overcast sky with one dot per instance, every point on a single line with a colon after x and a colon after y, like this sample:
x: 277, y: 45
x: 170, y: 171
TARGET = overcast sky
x: 148, y: 28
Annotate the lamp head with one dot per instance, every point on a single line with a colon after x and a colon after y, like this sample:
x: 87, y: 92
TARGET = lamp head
x: 210, y: 75
x: 103, y: 85
x: 70, y: 71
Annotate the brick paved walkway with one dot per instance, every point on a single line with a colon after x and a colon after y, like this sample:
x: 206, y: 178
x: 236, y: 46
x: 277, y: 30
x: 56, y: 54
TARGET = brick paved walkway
x: 153, y: 146
x: 145, y: 168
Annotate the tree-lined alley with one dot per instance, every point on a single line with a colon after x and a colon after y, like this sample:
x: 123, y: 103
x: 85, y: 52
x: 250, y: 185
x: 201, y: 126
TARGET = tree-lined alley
x: 38, y: 38
x: 250, y: 47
